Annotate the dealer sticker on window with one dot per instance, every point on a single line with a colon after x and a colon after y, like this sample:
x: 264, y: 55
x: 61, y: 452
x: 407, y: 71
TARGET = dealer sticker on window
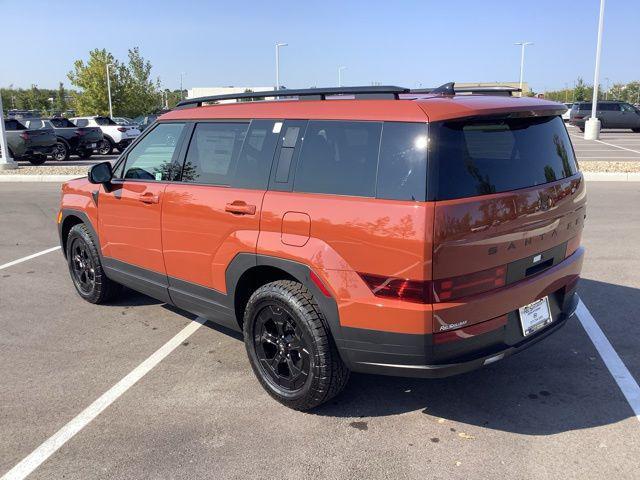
x: 535, y: 316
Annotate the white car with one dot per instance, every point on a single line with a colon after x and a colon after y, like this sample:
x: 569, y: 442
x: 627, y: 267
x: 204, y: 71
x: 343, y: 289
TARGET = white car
x: 115, y: 136
x: 565, y: 115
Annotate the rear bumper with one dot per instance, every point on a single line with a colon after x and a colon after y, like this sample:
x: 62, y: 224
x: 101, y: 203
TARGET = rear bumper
x: 410, y: 355
x: 39, y: 150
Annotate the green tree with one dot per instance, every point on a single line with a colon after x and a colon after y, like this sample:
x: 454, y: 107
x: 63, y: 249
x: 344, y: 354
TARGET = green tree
x: 61, y: 99
x: 140, y: 93
x: 91, y: 79
x: 580, y: 91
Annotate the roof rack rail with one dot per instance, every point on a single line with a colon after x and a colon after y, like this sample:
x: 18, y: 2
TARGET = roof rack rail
x: 390, y: 92
x: 451, y: 89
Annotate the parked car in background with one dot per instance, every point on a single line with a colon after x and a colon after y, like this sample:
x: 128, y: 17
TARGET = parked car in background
x: 123, y: 120
x: 611, y: 115
x: 71, y: 140
x: 29, y: 144
x: 144, y: 121
x: 114, y: 135
x: 566, y: 116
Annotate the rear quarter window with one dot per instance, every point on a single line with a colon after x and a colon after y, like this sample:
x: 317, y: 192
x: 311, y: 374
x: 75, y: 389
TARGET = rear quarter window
x: 481, y: 157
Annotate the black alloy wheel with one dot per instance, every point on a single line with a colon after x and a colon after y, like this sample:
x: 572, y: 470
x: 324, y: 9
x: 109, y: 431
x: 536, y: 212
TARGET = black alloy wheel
x: 82, y: 267
x: 105, y: 147
x: 60, y: 152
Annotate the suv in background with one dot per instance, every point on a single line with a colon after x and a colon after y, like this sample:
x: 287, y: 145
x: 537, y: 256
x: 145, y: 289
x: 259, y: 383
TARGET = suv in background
x: 611, y: 115
x: 385, y: 232
x: 71, y: 140
x: 114, y: 135
x: 29, y: 144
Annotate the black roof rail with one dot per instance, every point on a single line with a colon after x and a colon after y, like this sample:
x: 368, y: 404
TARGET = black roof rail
x: 451, y: 89
x: 390, y: 92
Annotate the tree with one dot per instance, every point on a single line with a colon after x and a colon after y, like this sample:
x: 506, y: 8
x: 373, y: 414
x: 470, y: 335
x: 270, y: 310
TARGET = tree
x: 580, y: 91
x: 91, y: 79
x: 61, y: 99
x: 140, y: 94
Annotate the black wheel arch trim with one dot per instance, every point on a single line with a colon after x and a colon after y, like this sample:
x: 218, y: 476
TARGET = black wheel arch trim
x: 84, y: 218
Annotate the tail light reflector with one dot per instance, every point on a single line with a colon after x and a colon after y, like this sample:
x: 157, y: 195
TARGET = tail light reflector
x: 122, y: 129
x: 80, y: 133
x: 465, y: 285
x: 24, y: 136
x: 417, y: 291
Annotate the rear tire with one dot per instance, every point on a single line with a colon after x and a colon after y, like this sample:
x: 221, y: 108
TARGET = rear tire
x: 85, y: 154
x: 105, y: 147
x: 60, y: 152
x: 581, y: 129
x: 636, y: 130
x: 85, y: 267
x: 37, y: 159
x: 290, y: 347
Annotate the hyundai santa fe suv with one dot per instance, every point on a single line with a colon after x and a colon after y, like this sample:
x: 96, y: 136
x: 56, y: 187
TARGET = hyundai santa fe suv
x: 364, y: 229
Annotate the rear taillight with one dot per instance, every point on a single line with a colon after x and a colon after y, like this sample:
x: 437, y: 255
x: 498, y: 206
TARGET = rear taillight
x: 80, y: 133
x: 417, y: 291
x: 471, y: 284
x: 122, y: 129
x: 24, y: 136
x: 578, y: 117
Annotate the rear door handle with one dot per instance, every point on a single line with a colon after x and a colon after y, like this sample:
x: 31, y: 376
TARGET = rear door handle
x: 149, y: 197
x: 240, y: 208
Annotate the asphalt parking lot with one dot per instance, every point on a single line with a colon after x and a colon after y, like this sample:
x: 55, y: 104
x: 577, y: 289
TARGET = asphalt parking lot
x: 613, y: 146
x: 554, y: 411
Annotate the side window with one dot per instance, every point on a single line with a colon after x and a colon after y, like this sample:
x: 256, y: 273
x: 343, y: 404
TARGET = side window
x: 256, y: 156
x: 10, y: 124
x: 82, y: 122
x: 402, y: 168
x: 213, y: 153
x: 627, y: 108
x: 151, y: 158
x: 339, y: 158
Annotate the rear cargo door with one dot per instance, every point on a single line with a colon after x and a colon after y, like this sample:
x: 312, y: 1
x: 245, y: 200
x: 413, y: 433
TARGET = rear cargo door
x: 510, y: 202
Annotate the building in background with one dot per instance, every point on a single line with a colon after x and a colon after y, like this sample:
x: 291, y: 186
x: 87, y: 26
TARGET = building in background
x: 210, y: 91
x: 525, y: 86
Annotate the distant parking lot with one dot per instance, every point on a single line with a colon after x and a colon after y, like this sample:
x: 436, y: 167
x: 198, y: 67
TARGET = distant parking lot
x: 551, y: 412
x: 613, y: 146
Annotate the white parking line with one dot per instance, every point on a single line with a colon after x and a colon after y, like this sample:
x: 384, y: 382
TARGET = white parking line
x: 53, y: 443
x: 617, y: 146
x: 29, y: 257
x: 611, y: 359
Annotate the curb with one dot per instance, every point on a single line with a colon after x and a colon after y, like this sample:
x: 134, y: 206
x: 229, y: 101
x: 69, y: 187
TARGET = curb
x: 588, y: 176
x: 37, y: 178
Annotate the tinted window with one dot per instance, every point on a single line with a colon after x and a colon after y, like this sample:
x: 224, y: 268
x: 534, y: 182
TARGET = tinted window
x: 627, y: 108
x: 402, y: 168
x: 482, y: 157
x: 35, y: 124
x: 213, y: 151
x: 609, y: 107
x: 102, y: 121
x: 339, y: 158
x: 13, y: 125
x: 584, y: 106
x: 254, y: 163
x: 151, y: 158
x: 82, y: 122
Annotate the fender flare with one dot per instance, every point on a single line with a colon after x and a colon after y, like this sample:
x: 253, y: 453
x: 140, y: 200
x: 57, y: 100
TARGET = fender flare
x: 67, y: 212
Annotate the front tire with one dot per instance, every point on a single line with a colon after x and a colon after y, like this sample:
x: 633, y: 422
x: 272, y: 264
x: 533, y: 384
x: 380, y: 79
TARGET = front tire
x: 60, y: 152
x: 85, y: 267
x: 290, y: 348
x: 636, y: 130
x: 105, y: 147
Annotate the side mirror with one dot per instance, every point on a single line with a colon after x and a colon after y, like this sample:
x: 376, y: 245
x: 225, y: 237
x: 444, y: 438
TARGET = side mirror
x: 101, y: 173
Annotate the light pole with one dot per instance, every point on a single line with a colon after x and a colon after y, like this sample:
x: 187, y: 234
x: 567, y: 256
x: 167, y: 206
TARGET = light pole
x: 278, y: 45
x: 606, y: 93
x: 6, y: 162
x: 340, y: 69
x: 592, y: 126
x: 182, y: 74
x: 109, y: 89
x: 522, y: 45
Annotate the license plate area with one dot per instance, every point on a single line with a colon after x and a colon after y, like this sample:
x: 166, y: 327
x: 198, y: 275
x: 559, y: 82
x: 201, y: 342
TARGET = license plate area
x: 535, y: 316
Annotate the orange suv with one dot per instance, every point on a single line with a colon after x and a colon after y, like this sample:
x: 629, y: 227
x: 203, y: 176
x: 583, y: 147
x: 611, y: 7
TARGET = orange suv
x: 365, y: 229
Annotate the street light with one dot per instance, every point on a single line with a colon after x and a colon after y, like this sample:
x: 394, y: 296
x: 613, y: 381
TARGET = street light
x: 522, y: 45
x: 6, y: 162
x: 278, y: 45
x: 592, y: 125
x: 109, y: 89
x: 340, y: 69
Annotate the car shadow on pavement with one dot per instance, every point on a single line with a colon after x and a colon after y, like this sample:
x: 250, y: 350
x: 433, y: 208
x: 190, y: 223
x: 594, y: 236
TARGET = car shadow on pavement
x: 559, y: 384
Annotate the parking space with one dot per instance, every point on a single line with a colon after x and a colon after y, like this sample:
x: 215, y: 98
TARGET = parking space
x: 613, y: 146
x: 75, y: 161
x: 552, y: 412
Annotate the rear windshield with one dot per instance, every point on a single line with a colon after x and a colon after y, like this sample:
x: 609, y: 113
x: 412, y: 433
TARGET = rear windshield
x: 62, y: 123
x: 102, y: 121
x: 480, y: 157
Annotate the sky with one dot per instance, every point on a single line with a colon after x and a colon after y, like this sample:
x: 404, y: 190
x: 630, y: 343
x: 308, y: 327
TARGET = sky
x: 406, y: 43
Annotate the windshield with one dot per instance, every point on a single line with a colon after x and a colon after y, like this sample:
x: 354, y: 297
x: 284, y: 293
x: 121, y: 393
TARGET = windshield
x: 103, y: 121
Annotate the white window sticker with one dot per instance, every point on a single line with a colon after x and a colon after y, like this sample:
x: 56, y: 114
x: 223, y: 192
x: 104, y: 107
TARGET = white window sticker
x: 277, y: 127
x: 158, y: 176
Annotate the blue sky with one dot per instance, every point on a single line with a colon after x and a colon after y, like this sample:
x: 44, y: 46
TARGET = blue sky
x: 407, y: 43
